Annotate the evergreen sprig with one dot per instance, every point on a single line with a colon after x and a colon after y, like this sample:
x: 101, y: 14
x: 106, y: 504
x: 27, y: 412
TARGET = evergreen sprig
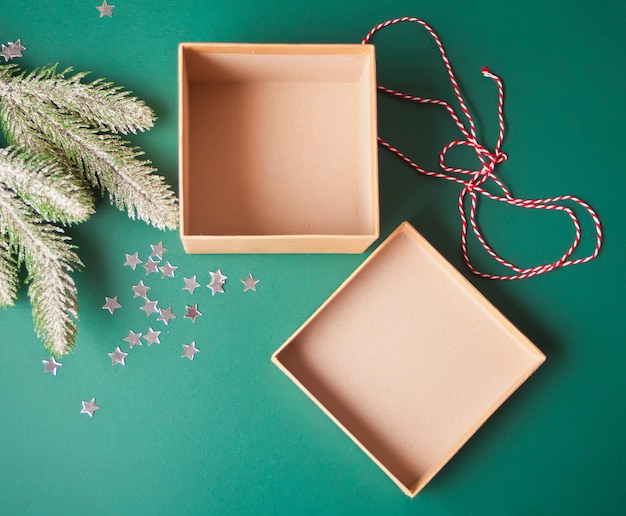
x: 65, y: 143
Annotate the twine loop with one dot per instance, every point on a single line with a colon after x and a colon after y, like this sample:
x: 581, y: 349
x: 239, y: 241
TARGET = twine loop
x: 474, y: 182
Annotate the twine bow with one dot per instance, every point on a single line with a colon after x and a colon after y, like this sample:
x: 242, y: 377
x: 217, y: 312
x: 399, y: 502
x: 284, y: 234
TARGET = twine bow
x: 473, y: 180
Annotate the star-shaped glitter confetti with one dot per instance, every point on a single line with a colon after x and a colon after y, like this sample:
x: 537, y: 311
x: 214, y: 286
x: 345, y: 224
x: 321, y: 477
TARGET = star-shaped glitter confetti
x: 89, y: 407
x: 132, y: 260
x: 118, y: 356
x: 150, y: 307
x: 191, y: 284
x: 12, y: 50
x: 140, y: 290
x: 105, y: 9
x: 134, y: 339
x: 168, y: 270
x: 152, y: 337
x: 158, y: 250
x: 165, y: 315
x: 51, y: 366
x: 192, y: 313
x: 249, y: 283
x: 190, y: 350
x: 111, y: 304
x: 217, y: 282
x: 151, y: 266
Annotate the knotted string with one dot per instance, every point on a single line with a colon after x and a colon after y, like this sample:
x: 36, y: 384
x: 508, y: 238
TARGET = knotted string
x: 473, y: 180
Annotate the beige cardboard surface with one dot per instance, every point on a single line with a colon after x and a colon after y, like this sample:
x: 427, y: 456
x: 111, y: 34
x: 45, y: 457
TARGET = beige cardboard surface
x: 278, y: 141
x: 408, y: 358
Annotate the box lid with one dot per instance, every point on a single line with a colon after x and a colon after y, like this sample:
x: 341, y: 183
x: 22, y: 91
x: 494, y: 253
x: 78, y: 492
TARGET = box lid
x: 408, y: 358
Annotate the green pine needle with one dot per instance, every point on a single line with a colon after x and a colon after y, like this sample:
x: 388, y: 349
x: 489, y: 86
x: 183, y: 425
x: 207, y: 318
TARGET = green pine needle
x: 8, y: 272
x: 58, y: 196
x: 65, y: 142
x: 49, y: 260
x: 100, y: 104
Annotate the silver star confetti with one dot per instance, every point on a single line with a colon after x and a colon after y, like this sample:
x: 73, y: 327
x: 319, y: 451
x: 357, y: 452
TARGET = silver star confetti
x: 165, y: 315
x: 118, y: 356
x: 158, y: 250
x: 111, y: 304
x: 168, y: 270
x: 192, y: 313
x: 12, y: 50
x: 190, y: 350
x: 140, y: 290
x: 249, y: 283
x: 134, y: 339
x: 150, y: 307
x: 105, y: 9
x: 151, y: 266
x: 51, y: 366
x: 89, y: 407
x: 191, y: 284
x: 217, y: 282
x: 132, y: 260
x: 152, y: 337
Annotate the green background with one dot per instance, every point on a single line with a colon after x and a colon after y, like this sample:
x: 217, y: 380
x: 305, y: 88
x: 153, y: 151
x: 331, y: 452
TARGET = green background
x: 228, y: 433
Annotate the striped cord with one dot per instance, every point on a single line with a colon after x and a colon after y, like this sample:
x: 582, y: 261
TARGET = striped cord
x: 473, y: 180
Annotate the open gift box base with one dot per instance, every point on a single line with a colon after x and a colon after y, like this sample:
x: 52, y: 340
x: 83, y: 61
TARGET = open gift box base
x: 278, y: 150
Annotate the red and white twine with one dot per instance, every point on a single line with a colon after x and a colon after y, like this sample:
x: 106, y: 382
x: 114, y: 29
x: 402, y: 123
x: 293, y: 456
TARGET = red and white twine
x: 473, y: 180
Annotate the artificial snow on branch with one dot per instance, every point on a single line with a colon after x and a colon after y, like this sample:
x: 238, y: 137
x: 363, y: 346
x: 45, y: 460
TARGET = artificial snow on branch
x: 65, y: 143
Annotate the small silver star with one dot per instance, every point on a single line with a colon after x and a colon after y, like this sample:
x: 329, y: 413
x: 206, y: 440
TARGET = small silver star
x: 158, y: 250
x: 249, y: 283
x: 192, y: 313
x: 12, y: 51
x: 118, y: 356
x: 150, y: 307
x: 152, y: 337
x: 140, y: 290
x: 51, y: 366
x: 89, y: 407
x: 218, y: 276
x: 217, y: 282
x: 132, y: 260
x: 190, y: 350
x: 111, y: 304
x: 191, y: 284
x: 168, y: 270
x: 165, y: 315
x: 134, y: 339
x: 151, y: 266
x: 105, y: 9
x: 6, y: 53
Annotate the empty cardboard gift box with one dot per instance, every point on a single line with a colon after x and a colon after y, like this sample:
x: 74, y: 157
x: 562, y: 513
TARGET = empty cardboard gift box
x: 408, y: 358
x: 278, y: 149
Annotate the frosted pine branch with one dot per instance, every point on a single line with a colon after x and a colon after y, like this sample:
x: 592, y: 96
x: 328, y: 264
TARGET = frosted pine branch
x: 49, y: 259
x: 8, y: 272
x: 106, y: 161
x: 54, y: 193
x: 100, y: 104
x: 60, y: 129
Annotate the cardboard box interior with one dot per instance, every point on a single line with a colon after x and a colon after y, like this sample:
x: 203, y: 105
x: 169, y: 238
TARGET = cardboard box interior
x: 408, y: 358
x: 280, y: 141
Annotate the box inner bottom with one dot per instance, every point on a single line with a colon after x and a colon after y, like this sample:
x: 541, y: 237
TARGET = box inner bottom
x: 279, y: 158
x: 409, y: 360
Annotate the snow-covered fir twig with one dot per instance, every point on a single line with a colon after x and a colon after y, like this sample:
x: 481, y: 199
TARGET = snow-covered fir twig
x: 46, y: 187
x: 100, y: 104
x: 49, y: 260
x: 65, y: 142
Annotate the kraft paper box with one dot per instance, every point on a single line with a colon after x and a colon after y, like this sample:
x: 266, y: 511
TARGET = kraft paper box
x: 408, y: 358
x: 278, y: 150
